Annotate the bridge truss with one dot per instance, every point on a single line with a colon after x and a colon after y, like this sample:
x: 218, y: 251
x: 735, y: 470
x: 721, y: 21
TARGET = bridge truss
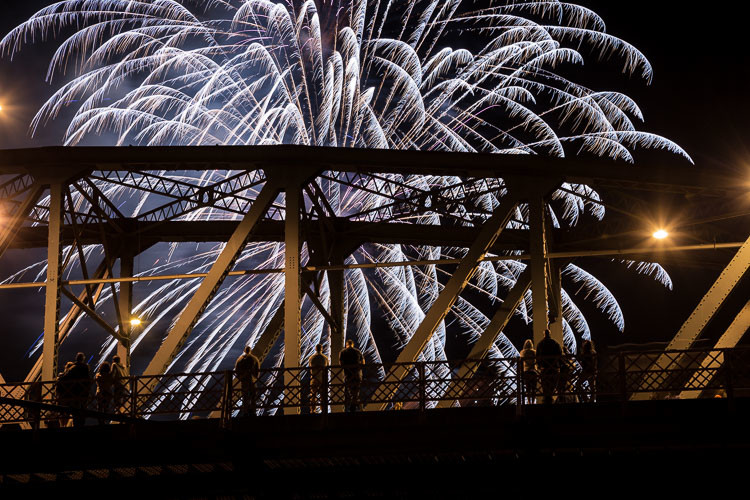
x: 62, y: 199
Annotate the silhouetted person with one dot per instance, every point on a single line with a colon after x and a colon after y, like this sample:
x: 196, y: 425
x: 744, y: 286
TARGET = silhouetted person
x: 318, y: 378
x: 79, y: 377
x: 587, y: 377
x: 548, y: 354
x: 529, y: 373
x: 119, y: 383
x: 64, y: 391
x: 247, y: 369
x: 351, y: 361
x: 104, y: 389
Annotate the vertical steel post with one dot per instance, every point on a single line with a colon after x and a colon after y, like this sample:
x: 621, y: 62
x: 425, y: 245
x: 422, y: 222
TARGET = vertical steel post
x: 337, y: 284
x: 53, y: 284
x: 126, y: 307
x: 538, y: 248
x: 555, y: 303
x: 292, y: 295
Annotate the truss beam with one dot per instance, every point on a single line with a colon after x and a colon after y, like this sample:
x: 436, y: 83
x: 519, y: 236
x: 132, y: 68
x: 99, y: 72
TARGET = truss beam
x: 210, y: 285
x: 490, y: 231
x: 491, y: 333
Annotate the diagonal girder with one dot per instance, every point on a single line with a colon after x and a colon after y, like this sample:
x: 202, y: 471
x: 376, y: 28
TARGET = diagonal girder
x: 210, y: 285
x: 92, y: 314
x: 710, y: 365
x: 490, y: 231
x: 485, y: 342
x: 705, y: 311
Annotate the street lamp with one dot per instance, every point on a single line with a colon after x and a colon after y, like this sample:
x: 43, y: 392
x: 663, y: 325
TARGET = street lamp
x: 660, y: 234
x: 135, y: 321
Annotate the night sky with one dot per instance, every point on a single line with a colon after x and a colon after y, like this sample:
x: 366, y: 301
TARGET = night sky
x: 698, y: 99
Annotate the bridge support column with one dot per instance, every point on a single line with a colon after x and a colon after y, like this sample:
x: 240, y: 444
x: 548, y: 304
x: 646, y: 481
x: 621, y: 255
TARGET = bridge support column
x: 292, y: 297
x: 337, y: 284
x: 555, y: 302
x: 539, y: 267
x: 53, y: 284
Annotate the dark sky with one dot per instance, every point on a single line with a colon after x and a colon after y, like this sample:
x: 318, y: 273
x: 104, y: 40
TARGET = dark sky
x: 698, y: 99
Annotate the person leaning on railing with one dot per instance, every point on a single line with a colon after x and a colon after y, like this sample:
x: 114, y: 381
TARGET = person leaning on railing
x: 528, y: 370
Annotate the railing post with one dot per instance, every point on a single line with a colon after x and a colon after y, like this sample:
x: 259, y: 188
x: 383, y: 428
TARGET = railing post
x: 728, y: 382
x: 133, y: 397
x: 422, y: 386
x: 324, y: 397
x: 226, y: 400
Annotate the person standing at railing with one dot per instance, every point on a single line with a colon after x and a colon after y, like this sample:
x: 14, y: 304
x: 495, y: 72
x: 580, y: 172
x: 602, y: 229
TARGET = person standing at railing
x: 119, y: 379
x: 64, y: 392
x: 79, y: 376
x: 247, y: 370
x: 529, y: 373
x: 351, y: 360
x: 104, y: 389
x: 318, y: 376
x: 587, y: 377
x: 548, y: 354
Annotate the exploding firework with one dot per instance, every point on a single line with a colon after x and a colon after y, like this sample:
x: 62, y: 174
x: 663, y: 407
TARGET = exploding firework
x: 414, y: 74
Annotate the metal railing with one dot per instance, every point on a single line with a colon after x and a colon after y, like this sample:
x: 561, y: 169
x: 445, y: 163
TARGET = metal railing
x: 426, y: 385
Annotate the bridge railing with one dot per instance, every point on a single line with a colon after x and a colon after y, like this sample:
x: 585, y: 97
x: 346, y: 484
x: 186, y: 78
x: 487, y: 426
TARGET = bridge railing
x: 423, y: 385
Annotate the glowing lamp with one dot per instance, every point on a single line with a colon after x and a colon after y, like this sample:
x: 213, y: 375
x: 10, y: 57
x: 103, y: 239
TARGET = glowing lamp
x: 660, y: 234
x: 135, y: 322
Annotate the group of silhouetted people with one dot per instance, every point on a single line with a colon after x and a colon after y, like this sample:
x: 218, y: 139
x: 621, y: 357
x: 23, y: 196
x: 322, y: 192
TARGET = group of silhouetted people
x: 560, y: 374
x: 73, y: 388
x: 247, y: 371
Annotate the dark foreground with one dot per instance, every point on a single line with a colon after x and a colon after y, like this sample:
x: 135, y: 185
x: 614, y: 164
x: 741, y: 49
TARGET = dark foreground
x: 601, y: 450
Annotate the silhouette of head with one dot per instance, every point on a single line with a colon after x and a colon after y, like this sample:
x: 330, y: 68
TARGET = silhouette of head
x: 349, y: 343
x: 115, y: 359
x: 104, y: 368
x: 80, y: 357
x: 319, y: 348
x: 546, y: 333
x: 528, y: 344
x: 247, y: 349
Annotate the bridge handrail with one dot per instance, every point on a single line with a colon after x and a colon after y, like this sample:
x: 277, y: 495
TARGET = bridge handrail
x: 487, y: 382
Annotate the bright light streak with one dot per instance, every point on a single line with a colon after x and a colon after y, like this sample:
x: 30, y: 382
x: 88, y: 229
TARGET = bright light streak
x: 660, y: 234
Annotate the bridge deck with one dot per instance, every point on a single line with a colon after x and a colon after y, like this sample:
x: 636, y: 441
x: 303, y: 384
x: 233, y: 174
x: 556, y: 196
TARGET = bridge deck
x: 442, y: 453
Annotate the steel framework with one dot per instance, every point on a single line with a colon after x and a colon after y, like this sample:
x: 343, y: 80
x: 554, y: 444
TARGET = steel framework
x: 59, y: 199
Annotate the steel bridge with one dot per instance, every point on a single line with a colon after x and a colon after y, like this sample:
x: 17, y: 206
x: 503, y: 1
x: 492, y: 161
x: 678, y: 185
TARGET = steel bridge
x: 60, y: 199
